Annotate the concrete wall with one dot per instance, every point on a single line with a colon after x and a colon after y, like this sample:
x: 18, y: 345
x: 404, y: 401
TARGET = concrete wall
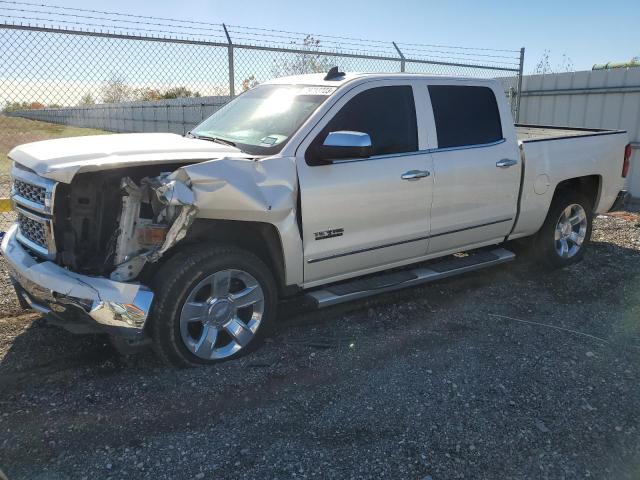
x: 175, y: 115
x: 595, y: 99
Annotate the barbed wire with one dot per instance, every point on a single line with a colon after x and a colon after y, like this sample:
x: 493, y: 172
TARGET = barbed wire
x: 313, y: 36
x: 413, y: 49
x: 59, y: 7
x: 315, y: 49
x: 376, y: 41
x: 68, y: 22
x: 279, y: 45
x: 319, y: 35
x: 459, y: 47
x: 254, y: 35
x: 219, y: 29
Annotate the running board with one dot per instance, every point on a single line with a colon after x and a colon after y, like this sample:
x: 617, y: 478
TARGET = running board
x: 387, y: 282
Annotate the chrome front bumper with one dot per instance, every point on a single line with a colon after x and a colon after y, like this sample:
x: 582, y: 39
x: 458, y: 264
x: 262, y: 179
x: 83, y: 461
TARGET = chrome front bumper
x: 70, y: 298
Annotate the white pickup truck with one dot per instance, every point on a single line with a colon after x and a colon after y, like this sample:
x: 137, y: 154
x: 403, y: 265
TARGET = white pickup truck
x: 333, y: 186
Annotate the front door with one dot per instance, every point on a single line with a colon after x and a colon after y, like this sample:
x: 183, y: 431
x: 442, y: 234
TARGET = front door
x: 361, y: 215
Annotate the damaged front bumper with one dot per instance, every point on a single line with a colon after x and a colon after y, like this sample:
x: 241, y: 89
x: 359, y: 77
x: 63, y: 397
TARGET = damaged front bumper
x: 77, y: 302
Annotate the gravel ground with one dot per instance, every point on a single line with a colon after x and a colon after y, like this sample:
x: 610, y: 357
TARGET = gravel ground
x: 511, y: 372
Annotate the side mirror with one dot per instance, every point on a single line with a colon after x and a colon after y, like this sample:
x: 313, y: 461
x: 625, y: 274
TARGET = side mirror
x: 344, y: 144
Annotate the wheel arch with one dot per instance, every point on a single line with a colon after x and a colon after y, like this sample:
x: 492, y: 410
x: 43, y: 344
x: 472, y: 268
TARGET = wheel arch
x: 589, y: 185
x: 260, y: 238
x: 534, y: 208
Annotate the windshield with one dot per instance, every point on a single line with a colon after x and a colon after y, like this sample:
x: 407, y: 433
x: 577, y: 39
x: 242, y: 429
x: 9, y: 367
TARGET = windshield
x: 262, y: 120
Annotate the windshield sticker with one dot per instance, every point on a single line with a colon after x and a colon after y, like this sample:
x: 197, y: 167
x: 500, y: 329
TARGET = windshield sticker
x: 317, y: 91
x: 272, y: 139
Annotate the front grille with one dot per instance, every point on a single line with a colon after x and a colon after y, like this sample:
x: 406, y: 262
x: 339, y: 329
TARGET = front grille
x: 32, y: 230
x: 33, y: 197
x: 28, y: 191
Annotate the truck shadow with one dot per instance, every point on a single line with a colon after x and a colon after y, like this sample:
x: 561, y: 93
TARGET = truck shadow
x: 42, y: 351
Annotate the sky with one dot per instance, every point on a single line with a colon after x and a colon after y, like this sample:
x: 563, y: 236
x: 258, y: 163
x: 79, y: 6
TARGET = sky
x: 586, y: 31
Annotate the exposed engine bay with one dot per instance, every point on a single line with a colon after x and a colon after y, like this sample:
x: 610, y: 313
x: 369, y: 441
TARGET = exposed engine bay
x: 108, y: 210
x: 111, y: 223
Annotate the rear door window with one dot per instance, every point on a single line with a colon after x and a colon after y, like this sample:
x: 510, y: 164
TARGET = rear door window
x: 387, y: 114
x: 465, y: 115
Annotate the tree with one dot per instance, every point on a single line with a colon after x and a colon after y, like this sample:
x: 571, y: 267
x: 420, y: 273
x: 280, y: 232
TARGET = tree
x: 13, y: 106
x: 179, y: 92
x: 302, y: 63
x: 146, y: 93
x: 116, y: 90
x: 544, y: 64
x: 86, y: 100
x: 566, y: 65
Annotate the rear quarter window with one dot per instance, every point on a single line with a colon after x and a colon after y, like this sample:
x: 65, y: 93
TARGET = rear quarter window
x: 465, y: 115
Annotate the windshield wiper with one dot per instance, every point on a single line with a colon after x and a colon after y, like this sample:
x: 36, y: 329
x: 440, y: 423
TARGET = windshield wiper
x: 223, y: 141
x: 212, y: 139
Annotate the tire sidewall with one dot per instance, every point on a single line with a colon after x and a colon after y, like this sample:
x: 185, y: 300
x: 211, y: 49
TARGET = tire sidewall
x: 180, y: 275
x: 546, y: 236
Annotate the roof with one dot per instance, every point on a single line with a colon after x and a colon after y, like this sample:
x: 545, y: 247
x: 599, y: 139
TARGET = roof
x: 315, y: 79
x: 318, y: 78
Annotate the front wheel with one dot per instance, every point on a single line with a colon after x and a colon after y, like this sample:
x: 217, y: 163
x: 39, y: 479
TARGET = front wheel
x: 566, y: 231
x: 212, y: 304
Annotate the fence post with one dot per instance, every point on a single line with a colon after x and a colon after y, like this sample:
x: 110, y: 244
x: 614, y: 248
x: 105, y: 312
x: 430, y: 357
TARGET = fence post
x: 184, y: 122
x: 402, y: 63
x: 232, y: 81
x: 519, y: 84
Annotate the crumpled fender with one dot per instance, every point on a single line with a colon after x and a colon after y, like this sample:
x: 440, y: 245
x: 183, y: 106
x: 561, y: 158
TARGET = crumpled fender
x: 240, y: 189
x: 248, y: 190
x: 229, y: 189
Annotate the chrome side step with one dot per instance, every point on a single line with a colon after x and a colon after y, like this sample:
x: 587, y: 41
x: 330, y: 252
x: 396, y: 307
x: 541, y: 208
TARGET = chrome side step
x: 387, y: 282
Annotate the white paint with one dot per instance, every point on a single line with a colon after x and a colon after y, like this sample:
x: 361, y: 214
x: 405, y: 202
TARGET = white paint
x: 542, y: 183
x: 62, y: 158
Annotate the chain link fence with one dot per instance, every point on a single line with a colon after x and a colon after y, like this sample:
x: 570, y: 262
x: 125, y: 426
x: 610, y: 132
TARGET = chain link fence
x: 81, y: 72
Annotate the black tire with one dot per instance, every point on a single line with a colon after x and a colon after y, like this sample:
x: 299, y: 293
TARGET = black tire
x: 544, y: 242
x: 178, y: 278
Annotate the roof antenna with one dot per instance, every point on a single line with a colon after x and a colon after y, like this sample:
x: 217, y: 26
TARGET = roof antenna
x: 333, y: 74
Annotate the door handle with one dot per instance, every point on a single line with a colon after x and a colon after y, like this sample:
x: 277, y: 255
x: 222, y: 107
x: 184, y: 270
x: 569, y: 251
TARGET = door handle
x: 415, y: 174
x: 506, y: 163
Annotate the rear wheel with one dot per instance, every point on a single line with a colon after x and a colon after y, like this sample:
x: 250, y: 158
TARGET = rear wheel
x: 566, y: 231
x: 212, y: 304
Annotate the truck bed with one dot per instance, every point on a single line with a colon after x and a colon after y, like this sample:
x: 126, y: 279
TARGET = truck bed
x: 538, y: 133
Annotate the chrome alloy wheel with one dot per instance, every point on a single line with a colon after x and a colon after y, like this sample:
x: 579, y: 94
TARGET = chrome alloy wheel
x: 570, y: 231
x: 222, y: 314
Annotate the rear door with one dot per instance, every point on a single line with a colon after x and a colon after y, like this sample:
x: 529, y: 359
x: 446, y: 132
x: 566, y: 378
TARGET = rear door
x: 360, y: 215
x: 476, y: 166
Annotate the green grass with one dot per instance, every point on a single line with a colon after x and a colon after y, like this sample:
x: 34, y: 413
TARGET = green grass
x: 16, y: 131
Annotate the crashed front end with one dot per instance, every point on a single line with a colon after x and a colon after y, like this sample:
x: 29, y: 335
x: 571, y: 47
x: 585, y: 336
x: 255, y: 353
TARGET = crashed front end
x: 77, y: 249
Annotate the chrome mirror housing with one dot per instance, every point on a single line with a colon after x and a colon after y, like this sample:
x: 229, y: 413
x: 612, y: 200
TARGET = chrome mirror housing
x: 344, y: 144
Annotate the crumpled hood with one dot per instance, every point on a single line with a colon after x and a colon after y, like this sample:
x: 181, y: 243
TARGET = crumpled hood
x: 61, y: 159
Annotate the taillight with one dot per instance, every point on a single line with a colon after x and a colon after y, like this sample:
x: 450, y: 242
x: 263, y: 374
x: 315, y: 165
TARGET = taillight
x: 627, y: 160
